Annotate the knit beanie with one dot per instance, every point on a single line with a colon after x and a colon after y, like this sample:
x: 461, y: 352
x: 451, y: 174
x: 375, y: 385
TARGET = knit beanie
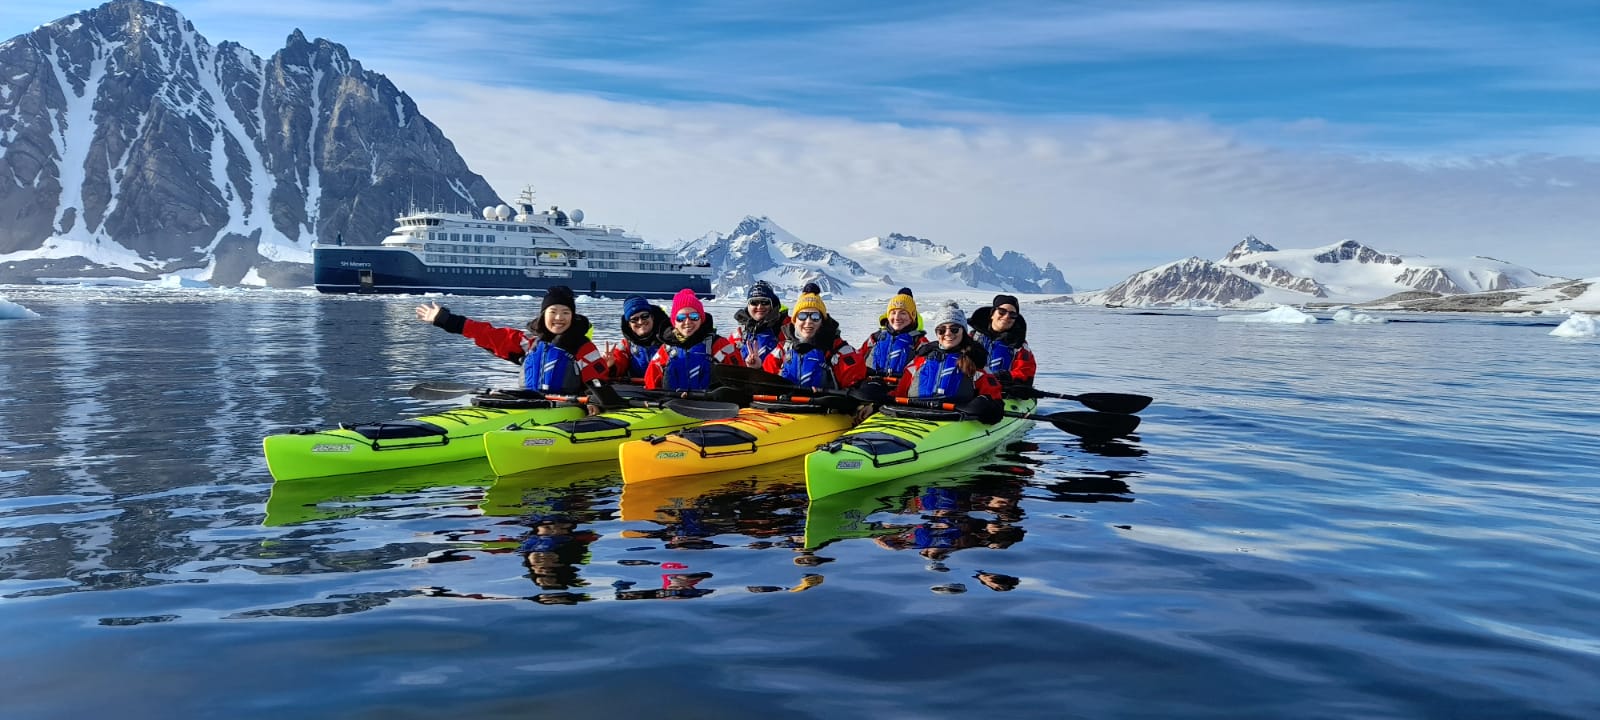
x: 904, y: 301
x: 809, y: 301
x: 1006, y: 300
x: 685, y: 300
x: 950, y: 314
x: 558, y: 295
x: 633, y: 306
x: 760, y: 289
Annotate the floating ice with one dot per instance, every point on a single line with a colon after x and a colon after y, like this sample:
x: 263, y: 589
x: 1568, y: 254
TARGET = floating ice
x: 1579, y: 325
x: 178, y: 281
x: 12, y: 311
x: 1280, y: 314
x: 1348, y: 316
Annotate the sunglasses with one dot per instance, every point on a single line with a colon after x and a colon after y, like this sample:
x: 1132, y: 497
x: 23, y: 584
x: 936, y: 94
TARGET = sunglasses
x: 1002, y: 312
x: 688, y: 315
x: 808, y: 315
x: 760, y: 302
x: 948, y: 330
x: 639, y: 319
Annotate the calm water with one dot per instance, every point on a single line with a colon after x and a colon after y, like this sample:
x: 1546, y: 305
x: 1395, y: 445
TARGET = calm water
x: 1399, y: 520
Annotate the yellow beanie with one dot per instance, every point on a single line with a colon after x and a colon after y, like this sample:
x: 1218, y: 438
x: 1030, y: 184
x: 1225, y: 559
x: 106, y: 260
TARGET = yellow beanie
x: 903, y: 302
x: 809, y: 301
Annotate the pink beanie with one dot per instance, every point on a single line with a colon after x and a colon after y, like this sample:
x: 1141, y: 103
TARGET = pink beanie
x: 685, y: 300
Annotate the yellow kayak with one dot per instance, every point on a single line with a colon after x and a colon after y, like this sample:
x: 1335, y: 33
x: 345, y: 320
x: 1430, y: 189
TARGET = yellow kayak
x: 759, y: 435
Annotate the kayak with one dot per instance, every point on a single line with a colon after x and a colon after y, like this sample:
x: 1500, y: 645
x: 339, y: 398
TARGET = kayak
x: 903, y: 442
x: 334, y: 497
x: 530, y: 446
x: 427, y: 440
x: 762, y: 433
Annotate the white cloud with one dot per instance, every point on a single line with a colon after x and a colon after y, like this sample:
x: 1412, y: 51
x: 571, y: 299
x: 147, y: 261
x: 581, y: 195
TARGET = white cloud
x: 1101, y: 198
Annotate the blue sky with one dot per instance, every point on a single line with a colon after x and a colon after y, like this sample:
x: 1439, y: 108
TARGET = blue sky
x: 1106, y: 137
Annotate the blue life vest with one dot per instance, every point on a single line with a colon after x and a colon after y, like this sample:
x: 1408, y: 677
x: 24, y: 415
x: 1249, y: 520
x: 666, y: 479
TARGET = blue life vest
x: 1000, y: 354
x: 689, y: 368
x: 891, y: 352
x: 639, y: 357
x: 809, y: 369
x: 763, y: 341
x: 550, y: 369
x: 938, y: 377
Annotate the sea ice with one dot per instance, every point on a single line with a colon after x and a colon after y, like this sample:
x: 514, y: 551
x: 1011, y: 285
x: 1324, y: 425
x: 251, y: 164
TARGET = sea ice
x: 12, y: 311
x: 1578, y: 325
x: 1280, y: 314
x: 1347, y: 316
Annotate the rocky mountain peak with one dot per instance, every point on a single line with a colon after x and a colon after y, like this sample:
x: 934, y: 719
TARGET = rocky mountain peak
x: 1248, y: 246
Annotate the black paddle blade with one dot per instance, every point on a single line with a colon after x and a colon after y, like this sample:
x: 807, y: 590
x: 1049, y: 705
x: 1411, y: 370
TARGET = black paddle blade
x: 606, y: 396
x: 703, y: 409
x: 739, y: 375
x: 1113, y: 402
x: 443, y: 390
x: 1092, y: 425
x: 737, y: 396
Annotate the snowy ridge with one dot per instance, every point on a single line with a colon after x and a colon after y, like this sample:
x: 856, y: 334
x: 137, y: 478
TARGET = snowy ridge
x: 760, y: 249
x: 1256, y: 274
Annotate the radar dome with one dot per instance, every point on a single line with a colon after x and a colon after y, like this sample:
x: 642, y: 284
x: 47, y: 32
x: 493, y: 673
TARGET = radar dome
x: 576, y: 215
x: 488, y: 212
x: 502, y: 212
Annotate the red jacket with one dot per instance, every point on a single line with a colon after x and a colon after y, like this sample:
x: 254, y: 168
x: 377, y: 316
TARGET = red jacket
x: 843, y: 360
x: 513, y: 344
x: 983, y: 383
x: 723, y: 352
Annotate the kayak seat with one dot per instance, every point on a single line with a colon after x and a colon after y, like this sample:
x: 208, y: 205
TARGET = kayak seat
x: 612, y: 428
x: 921, y: 413
x: 790, y: 408
x: 719, y: 439
x: 396, y: 430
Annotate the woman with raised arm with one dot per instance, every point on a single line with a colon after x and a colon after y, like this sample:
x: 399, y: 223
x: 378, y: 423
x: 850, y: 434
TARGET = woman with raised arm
x: 554, y: 351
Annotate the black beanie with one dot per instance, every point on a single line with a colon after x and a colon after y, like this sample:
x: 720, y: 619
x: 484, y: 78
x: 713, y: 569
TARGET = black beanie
x: 1006, y: 300
x: 558, y: 295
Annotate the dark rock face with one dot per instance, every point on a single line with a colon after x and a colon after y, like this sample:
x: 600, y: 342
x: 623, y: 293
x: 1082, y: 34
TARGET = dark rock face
x: 1248, y: 246
x: 1191, y: 279
x: 1012, y: 272
x: 1352, y: 250
x: 123, y: 127
x: 1278, y: 277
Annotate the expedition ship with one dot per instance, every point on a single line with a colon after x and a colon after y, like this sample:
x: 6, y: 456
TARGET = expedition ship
x: 505, y: 252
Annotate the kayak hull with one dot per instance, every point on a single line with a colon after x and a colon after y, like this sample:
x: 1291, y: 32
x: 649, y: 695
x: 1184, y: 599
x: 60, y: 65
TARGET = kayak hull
x: 448, y: 436
x: 568, y: 442
x: 885, y: 448
x: 755, y: 437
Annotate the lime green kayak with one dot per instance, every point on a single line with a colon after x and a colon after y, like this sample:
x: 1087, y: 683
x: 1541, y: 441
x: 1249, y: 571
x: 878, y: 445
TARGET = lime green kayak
x: 337, y: 497
x: 886, y: 447
x: 428, y: 440
x: 530, y: 446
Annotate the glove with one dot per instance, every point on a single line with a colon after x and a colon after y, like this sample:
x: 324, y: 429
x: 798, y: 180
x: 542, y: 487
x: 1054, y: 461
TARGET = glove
x: 986, y: 409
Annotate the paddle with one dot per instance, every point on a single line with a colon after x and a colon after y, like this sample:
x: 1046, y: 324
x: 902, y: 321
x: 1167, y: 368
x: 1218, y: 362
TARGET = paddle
x: 830, y: 402
x: 1095, y: 426
x: 761, y: 379
x: 608, y: 398
x: 1102, y: 401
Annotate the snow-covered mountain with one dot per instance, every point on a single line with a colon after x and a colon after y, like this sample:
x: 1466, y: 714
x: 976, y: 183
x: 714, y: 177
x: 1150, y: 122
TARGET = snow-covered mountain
x: 759, y: 249
x: 1256, y: 273
x: 132, y: 146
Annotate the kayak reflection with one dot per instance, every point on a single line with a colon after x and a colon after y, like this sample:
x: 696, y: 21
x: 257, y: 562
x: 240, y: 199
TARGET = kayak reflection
x: 338, y: 497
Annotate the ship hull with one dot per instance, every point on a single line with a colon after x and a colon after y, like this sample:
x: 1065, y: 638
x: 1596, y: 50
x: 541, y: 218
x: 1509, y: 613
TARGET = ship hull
x: 346, y: 269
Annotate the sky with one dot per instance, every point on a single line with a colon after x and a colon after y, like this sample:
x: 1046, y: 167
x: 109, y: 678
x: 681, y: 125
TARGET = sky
x: 1105, y: 137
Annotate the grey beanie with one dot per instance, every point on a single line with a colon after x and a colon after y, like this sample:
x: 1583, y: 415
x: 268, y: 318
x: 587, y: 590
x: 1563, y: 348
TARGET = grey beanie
x: 950, y: 313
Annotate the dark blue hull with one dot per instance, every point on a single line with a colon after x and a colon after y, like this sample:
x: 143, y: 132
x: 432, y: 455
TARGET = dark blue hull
x: 371, y: 270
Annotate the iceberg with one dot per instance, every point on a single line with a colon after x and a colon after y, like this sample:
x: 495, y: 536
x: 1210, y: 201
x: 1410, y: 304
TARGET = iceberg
x: 1578, y: 325
x: 1348, y: 316
x: 12, y: 311
x: 1280, y: 314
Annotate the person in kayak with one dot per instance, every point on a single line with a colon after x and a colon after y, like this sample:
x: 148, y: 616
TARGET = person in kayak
x: 642, y: 325
x: 554, y: 351
x: 759, y: 324
x: 689, y: 347
x: 888, y: 351
x: 812, y: 354
x: 1003, y: 333
x: 950, y: 369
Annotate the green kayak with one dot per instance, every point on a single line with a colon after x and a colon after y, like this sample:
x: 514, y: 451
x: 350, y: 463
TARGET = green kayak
x: 531, y: 446
x: 904, y: 442
x: 428, y: 440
